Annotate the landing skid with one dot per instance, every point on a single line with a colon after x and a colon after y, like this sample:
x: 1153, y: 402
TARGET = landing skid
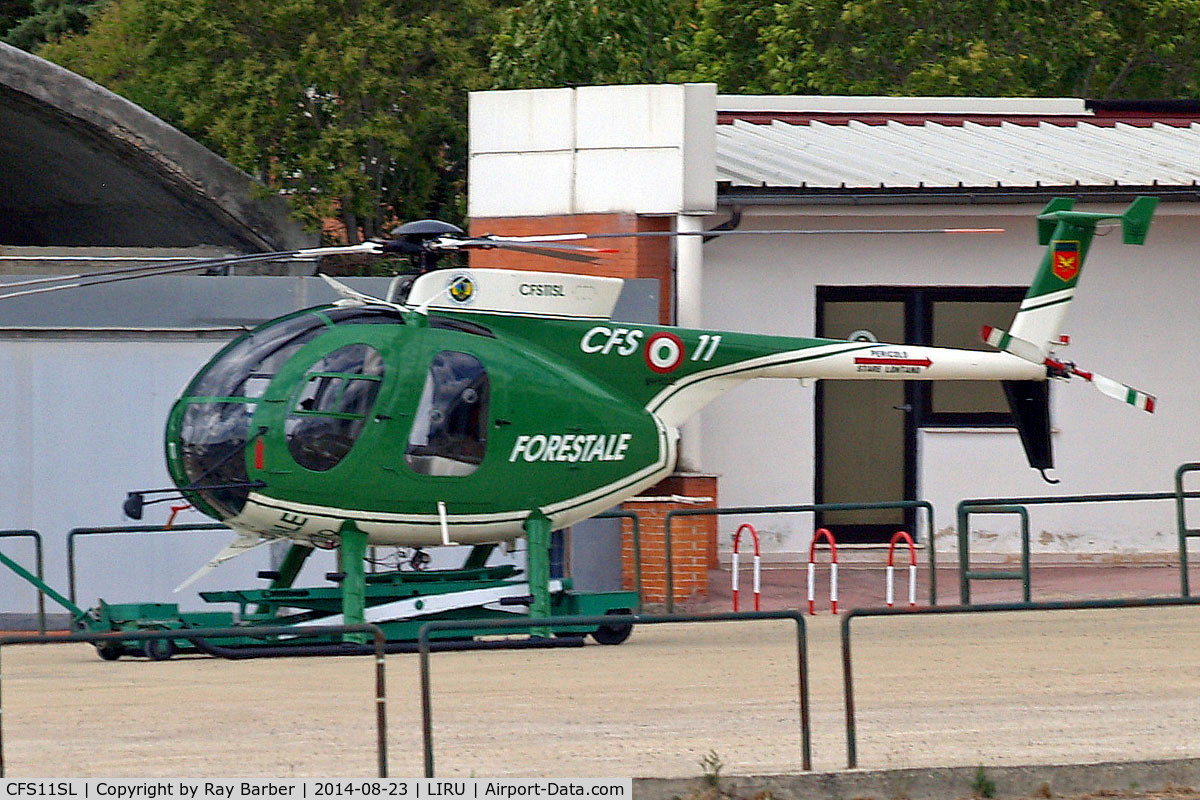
x: 398, y: 601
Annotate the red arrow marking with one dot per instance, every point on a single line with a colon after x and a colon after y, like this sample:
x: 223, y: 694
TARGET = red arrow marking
x: 899, y: 362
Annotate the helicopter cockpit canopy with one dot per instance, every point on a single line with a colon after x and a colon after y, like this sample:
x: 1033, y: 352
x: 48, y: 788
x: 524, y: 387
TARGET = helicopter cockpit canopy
x: 213, y: 430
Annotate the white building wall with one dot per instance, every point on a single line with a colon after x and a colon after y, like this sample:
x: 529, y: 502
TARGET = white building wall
x: 82, y: 424
x: 1133, y: 320
x: 537, y: 152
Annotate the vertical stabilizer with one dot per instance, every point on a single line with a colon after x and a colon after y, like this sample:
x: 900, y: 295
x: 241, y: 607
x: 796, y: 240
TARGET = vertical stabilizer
x: 1067, y: 235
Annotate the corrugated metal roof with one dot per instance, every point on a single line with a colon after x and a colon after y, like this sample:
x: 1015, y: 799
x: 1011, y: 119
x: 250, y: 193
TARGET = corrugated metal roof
x: 933, y: 155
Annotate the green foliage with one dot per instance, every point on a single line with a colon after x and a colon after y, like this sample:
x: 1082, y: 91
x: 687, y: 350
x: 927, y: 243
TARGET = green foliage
x: 727, y: 47
x: 353, y: 108
x: 712, y: 765
x: 982, y: 785
x: 29, y: 23
x: 12, y: 12
x: 1091, y: 48
x: 546, y: 43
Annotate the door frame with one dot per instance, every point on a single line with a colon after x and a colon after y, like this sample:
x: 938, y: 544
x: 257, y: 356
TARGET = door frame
x: 869, y: 533
x: 918, y: 329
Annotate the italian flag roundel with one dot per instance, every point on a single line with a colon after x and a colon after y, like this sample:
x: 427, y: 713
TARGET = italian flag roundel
x: 664, y: 352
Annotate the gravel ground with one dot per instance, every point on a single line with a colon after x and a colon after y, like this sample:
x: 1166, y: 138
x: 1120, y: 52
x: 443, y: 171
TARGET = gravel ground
x: 1001, y: 689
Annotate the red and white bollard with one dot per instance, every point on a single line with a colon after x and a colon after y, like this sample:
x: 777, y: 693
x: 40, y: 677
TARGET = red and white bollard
x: 757, y: 565
x: 812, y: 570
x: 912, y: 569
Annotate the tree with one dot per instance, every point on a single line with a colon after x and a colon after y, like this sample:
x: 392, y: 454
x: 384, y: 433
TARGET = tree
x: 12, y: 12
x: 1154, y: 51
x: 352, y: 108
x: 545, y: 43
x: 727, y: 46
x: 29, y: 23
x: 918, y: 47
x: 1090, y: 48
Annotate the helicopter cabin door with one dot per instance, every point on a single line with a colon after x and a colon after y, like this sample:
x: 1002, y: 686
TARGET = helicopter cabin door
x: 866, y: 431
x: 865, y: 439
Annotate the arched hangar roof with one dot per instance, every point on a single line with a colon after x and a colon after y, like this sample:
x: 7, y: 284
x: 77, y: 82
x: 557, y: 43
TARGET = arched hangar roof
x: 81, y: 166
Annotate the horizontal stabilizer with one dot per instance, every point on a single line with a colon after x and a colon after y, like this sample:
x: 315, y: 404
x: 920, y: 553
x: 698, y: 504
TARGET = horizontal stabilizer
x: 1135, y: 220
x: 1047, y: 221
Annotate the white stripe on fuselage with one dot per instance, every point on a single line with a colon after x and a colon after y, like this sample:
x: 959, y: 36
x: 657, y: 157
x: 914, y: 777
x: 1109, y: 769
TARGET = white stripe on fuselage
x: 677, y: 402
x: 283, y: 518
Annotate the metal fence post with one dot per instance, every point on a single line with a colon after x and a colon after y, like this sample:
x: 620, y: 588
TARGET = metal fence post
x: 218, y: 633
x: 423, y: 648
x: 39, y: 565
x: 637, y: 547
x: 987, y: 608
x: 1181, y: 527
x: 75, y: 532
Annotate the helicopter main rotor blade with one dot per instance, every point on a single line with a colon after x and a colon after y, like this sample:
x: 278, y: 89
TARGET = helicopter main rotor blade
x: 550, y: 241
x: 565, y: 255
x: 171, y: 266
x: 781, y: 232
x: 547, y: 246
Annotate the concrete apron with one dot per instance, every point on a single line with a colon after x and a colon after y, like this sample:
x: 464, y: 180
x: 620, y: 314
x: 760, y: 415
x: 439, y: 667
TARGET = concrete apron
x: 940, y: 783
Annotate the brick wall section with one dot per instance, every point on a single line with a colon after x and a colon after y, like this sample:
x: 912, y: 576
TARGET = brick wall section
x: 635, y: 257
x: 693, y: 539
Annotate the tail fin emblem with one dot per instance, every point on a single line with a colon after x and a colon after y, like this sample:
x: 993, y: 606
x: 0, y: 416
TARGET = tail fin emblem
x: 1066, y: 260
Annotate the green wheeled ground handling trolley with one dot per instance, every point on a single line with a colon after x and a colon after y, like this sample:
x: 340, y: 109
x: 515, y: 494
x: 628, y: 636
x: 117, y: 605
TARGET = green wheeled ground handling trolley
x: 398, y: 601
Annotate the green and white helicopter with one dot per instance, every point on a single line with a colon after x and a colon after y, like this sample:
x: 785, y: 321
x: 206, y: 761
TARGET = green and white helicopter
x: 477, y: 406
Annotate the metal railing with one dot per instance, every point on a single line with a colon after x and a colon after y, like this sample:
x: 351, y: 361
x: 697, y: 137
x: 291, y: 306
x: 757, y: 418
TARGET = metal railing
x: 1065, y: 605
x: 637, y: 547
x: 1015, y: 505
x: 74, y: 533
x: 218, y: 633
x: 614, y: 619
x: 799, y: 509
x: 966, y: 574
x: 1185, y: 533
x: 39, y: 567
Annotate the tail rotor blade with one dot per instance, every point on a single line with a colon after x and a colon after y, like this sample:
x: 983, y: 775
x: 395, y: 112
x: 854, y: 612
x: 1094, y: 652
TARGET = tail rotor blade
x: 1114, y: 389
x: 1126, y: 394
x: 1003, y: 340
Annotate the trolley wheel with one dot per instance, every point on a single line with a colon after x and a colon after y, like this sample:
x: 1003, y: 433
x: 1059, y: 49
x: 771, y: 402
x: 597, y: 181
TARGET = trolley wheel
x: 613, y: 634
x: 158, y: 649
x: 109, y: 651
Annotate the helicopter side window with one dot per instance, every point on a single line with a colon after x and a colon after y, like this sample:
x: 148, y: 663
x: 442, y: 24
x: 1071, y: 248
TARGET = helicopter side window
x: 449, y: 433
x: 247, y: 366
x: 214, y: 435
x: 215, y: 427
x: 331, y: 408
